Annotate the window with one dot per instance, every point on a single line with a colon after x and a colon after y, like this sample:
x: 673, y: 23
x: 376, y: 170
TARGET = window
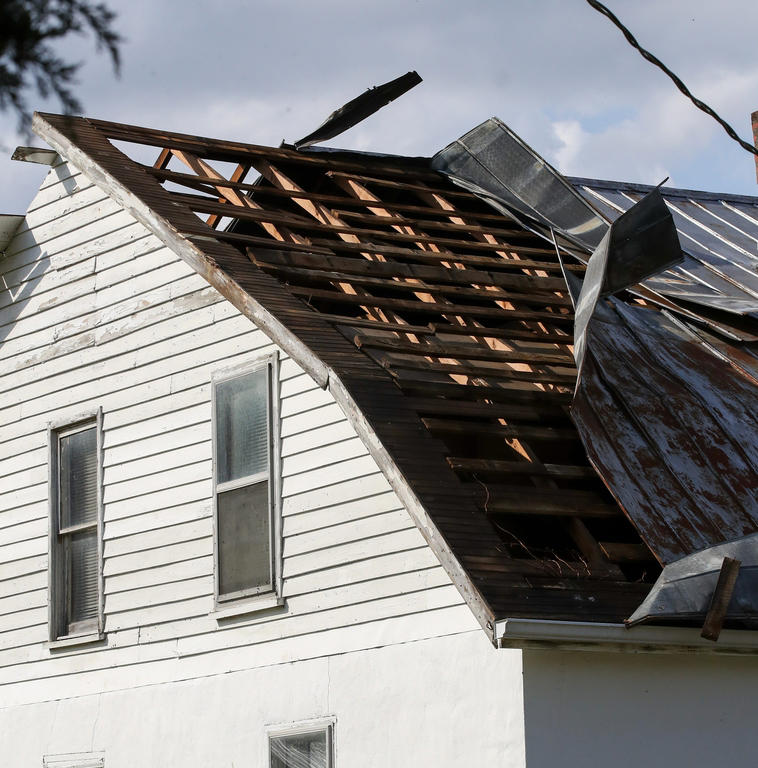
x: 75, y: 530
x: 74, y: 760
x: 311, y: 748
x: 245, y: 483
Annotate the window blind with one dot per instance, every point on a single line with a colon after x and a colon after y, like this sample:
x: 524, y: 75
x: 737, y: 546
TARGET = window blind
x: 243, y: 498
x: 242, y: 426
x: 76, y: 555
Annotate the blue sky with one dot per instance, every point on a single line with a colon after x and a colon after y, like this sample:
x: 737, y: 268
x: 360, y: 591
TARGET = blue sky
x: 556, y: 71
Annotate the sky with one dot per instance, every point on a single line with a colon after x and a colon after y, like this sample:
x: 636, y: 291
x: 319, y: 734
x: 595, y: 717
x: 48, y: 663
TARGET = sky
x: 560, y: 74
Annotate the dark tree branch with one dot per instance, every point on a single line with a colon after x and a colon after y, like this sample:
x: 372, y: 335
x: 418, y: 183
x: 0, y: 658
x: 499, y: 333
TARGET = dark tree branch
x: 28, y: 30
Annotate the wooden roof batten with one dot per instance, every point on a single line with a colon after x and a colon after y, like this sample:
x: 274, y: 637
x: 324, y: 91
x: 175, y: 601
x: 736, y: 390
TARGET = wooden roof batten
x: 447, y: 346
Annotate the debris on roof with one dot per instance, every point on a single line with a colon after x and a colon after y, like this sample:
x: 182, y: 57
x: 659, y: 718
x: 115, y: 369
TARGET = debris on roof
x: 641, y: 242
x: 434, y: 306
x: 359, y: 108
x: 684, y: 588
x: 496, y: 164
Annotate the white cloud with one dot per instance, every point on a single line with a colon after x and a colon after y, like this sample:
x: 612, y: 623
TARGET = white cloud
x: 558, y: 73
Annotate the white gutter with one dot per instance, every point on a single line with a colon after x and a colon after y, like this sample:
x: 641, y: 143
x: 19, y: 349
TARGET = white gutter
x: 590, y: 636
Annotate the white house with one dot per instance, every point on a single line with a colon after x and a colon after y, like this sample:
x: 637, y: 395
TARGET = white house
x: 281, y: 486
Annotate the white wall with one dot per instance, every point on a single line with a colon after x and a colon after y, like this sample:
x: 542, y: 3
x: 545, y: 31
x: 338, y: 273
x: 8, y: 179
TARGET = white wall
x: 590, y: 709
x: 447, y: 702
x: 96, y: 312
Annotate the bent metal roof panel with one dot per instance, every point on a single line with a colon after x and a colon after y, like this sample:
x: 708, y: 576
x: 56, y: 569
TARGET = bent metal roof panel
x: 442, y: 326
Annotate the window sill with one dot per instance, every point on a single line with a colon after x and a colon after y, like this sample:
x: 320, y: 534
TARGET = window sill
x: 71, y: 641
x: 243, y: 608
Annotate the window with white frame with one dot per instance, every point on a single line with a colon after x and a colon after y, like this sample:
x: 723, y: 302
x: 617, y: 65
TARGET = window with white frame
x: 246, y: 520
x: 301, y: 748
x: 75, y: 530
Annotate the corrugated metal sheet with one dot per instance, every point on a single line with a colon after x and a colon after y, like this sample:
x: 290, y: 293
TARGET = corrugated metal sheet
x: 718, y: 233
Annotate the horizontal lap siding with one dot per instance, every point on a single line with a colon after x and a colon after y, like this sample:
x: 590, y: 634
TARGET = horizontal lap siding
x: 100, y: 314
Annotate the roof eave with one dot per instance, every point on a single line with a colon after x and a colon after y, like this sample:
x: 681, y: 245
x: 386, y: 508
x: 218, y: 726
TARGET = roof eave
x: 590, y: 636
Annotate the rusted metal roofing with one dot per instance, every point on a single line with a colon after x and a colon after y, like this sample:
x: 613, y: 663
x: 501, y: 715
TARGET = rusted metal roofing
x: 671, y: 425
x: 443, y: 326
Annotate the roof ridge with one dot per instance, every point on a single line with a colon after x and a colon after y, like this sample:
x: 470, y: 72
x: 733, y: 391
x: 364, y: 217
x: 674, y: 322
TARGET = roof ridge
x: 665, y: 191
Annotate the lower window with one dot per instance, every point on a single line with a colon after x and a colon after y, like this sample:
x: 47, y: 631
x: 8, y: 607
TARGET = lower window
x: 310, y: 748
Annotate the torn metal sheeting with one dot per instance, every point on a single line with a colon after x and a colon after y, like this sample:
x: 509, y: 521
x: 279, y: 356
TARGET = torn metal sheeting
x: 684, y: 589
x: 40, y: 155
x: 359, y: 108
x: 494, y: 161
x: 640, y: 243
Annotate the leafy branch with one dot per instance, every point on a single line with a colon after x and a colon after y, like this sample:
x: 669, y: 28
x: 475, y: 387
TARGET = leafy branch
x: 29, y: 30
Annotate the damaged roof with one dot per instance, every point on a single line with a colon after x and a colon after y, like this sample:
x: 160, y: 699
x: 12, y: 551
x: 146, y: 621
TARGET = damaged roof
x: 437, y: 313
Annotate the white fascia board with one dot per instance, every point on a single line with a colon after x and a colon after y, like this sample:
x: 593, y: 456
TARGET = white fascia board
x: 590, y: 636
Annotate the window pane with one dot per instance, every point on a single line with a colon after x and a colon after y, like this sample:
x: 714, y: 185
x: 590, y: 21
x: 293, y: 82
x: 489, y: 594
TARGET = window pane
x: 304, y: 750
x: 78, y: 478
x: 82, y: 576
x: 242, y: 426
x: 244, y: 539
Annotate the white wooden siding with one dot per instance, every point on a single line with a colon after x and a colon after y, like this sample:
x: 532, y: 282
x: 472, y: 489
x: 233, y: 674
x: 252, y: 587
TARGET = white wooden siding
x: 96, y: 312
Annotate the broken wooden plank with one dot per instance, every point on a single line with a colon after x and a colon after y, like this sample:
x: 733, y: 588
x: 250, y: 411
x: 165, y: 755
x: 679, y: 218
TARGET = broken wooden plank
x: 626, y: 552
x: 499, y: 467
x: 722, y: 595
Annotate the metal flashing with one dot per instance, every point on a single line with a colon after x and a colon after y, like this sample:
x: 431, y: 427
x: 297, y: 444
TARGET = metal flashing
x: 684, y: 588
x: 358, y: 109
x: 494, y: 161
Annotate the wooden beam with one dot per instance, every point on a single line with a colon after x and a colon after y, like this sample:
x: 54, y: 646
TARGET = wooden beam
x: 239, y: 173
x: 431, y: 308
x: 396, y: 366
x: 429, y: 272
x: 550, y: 402
x: 534, y: 501
x: 626, y: 552
x: 233, y: 151
x: 463, y: 351
x: 437, y: 406
x: 205, y: 171
x: 722, y: 595
x: 461, y: 427
x: 495, y: 466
